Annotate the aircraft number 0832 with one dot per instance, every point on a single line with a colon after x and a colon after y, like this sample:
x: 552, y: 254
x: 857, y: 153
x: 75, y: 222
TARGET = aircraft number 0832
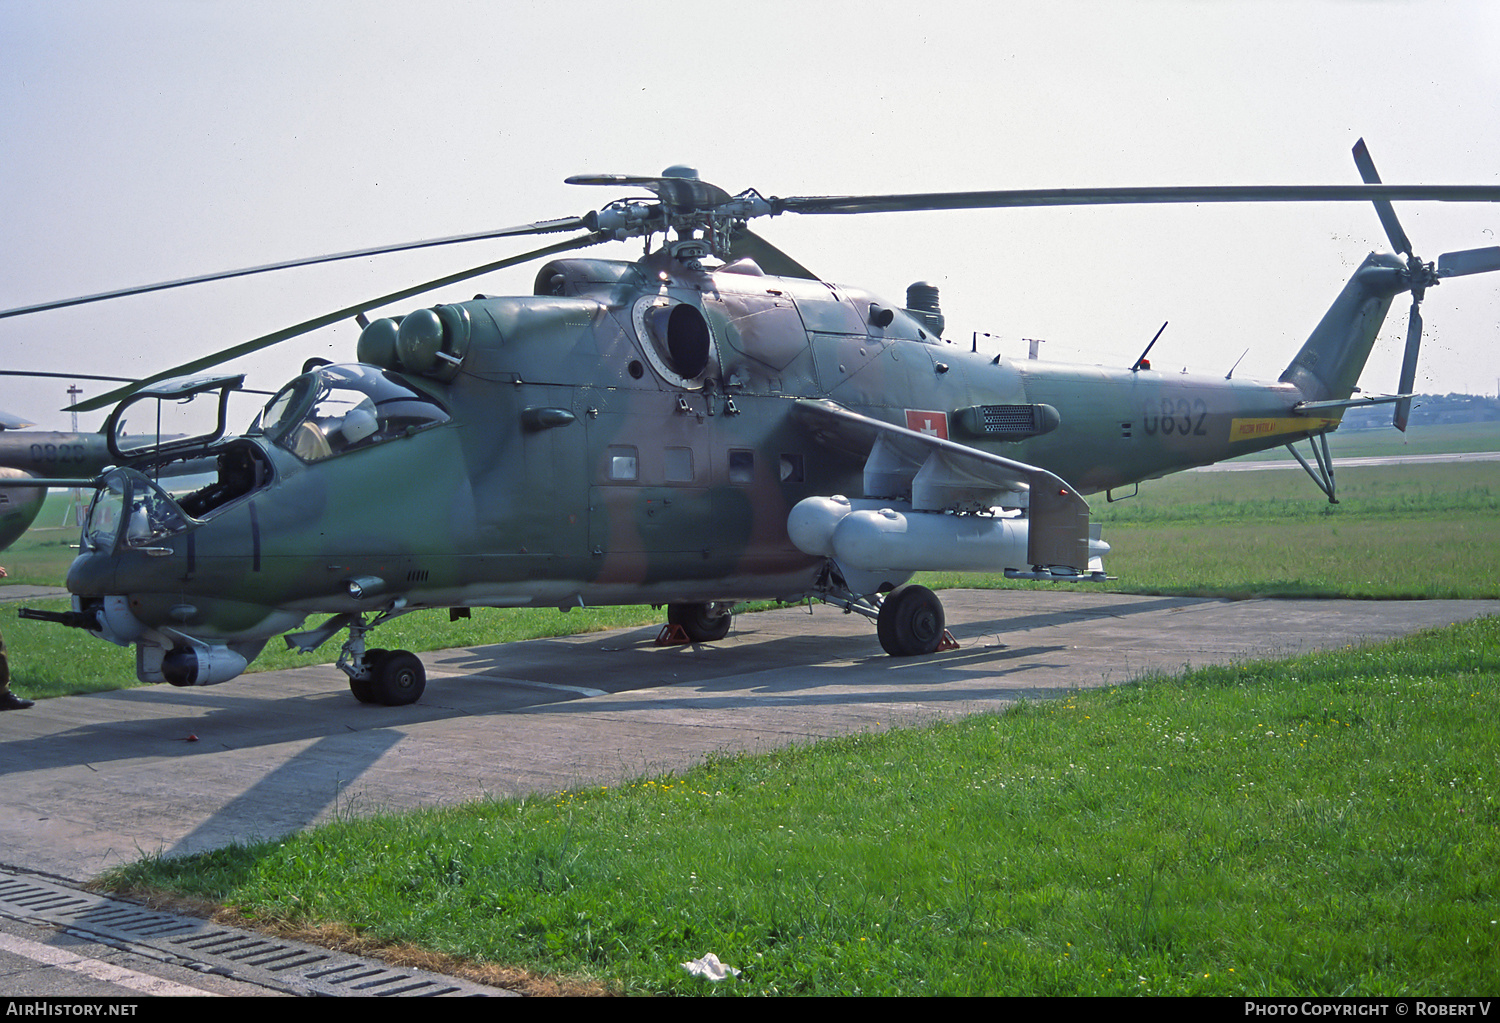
x: 1182, y: 416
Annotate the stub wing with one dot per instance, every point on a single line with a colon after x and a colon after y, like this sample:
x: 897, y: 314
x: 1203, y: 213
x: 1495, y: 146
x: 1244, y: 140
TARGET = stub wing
x: 940, y: 475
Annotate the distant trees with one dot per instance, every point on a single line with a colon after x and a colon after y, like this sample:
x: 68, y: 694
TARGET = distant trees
x: 1428, y: 410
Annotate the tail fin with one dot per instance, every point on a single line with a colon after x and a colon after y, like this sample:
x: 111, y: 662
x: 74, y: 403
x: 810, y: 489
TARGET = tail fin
x: 1330, y: 362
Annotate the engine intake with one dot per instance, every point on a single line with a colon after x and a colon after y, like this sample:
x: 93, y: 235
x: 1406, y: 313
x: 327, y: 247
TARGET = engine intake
x: 1007, y: 422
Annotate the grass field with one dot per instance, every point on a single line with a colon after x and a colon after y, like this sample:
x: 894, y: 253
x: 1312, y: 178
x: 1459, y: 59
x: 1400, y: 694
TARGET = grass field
x: 1403, y: 531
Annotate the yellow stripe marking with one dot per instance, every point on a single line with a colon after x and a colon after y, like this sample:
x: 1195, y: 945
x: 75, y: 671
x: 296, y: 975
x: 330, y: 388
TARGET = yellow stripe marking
x: 1251, y: 429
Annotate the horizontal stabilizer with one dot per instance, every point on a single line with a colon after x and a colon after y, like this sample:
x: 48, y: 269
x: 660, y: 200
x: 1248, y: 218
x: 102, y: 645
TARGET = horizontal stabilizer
x: 1302, y: 408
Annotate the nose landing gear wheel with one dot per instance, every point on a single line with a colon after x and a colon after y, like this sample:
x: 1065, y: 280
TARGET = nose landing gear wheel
x: 910, y: 622
x: 397, y: 678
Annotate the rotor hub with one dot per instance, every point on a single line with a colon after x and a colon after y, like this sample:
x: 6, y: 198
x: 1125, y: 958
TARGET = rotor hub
x: 1420, y: 276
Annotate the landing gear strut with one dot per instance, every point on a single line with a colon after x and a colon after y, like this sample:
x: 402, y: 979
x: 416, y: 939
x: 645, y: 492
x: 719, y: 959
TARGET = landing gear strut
x: 908, y: 620
x: 393, y: 678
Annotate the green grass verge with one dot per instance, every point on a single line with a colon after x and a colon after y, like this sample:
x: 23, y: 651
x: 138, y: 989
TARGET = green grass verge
x: 1258, y: 496
x: 1399, y: 532
x: 1325, y: 826
x: 1434, y: 556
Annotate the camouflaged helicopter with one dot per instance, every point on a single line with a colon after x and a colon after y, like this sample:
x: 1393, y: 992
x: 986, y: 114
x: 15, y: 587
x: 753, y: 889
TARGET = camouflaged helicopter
x: 26, y: 455
x: 707, y: 424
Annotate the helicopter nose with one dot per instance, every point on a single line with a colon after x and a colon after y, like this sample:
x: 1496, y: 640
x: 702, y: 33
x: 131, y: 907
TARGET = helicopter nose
x: 92, y: 574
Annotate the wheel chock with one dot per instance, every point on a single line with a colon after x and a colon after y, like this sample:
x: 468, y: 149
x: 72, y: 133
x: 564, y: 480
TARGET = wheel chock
x: 947, y: 642
x: 672, y: 635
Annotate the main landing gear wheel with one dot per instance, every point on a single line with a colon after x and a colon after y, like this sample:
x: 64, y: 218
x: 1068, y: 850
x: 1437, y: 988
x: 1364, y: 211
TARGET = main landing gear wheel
x: 397, y: 678
x: 910, y: 622
x: 703, y: 623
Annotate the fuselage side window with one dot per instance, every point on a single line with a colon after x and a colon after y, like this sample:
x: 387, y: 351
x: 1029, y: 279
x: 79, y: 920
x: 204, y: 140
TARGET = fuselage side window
x: 624, y: 462
x: 741, y: 466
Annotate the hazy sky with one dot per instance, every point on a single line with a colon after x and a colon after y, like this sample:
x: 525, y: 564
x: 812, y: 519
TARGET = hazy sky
x: 152, y: 140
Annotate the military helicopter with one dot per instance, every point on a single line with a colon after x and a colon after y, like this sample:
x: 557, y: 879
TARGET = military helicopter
x: 18, y: 507
x: 707, y: 424
x: 45, y: 454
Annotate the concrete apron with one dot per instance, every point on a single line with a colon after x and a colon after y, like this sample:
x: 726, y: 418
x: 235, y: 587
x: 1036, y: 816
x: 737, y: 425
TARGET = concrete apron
x: 94, y: 781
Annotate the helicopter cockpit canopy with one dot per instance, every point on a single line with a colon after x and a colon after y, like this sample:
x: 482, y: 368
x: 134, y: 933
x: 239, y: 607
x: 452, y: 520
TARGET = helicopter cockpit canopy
x: 334, y: 409
x: 171, y: 397
x: 130, y: 510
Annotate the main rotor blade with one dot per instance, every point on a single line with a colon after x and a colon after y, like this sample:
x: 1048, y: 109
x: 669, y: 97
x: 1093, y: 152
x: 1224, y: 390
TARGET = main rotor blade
x: 746, y: 244
x: 541, y: 227
x: 296, y: 330
x: 1126, y: 196
x: 94, y: 376
x: 1383, y: 208
x: 1469, y: 261
x: 1408, y: 367
x: 63, y: 376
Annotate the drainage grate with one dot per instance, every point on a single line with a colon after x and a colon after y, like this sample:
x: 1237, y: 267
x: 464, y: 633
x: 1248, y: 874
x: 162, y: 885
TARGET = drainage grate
x: 277, y: 963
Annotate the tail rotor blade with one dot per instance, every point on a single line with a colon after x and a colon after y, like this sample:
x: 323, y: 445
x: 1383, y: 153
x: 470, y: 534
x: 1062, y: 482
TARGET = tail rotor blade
x: 1408, y: 367
x: 1469, y: 261
x: 1383, y: 207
